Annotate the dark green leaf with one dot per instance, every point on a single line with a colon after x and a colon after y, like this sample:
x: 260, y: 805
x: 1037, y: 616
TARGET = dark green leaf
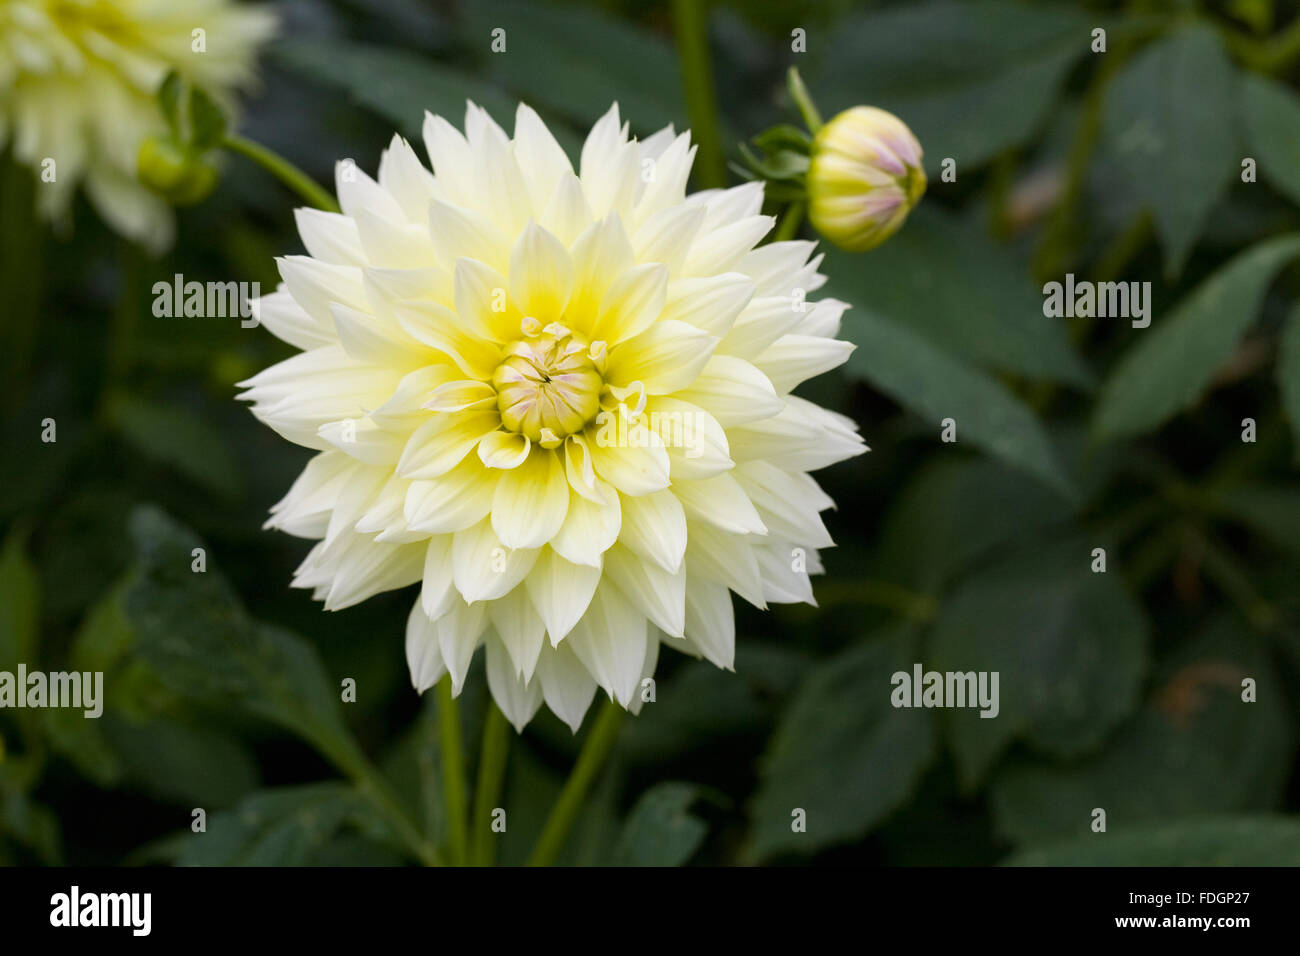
x: 984, y: 308
x: 971, y: 79
x: 956, y: 511
x: 702, y: 705
x: 661, y: 830
x: 587, y: 58
x: 175, y: 437
x: 1175, y: 360
x: 1069, y: 647
x: 842, y: 753
x: 1272, y: 114
x: 398, y: 85
x: 1170, y: 122
x: 1213, y: 841
x: 935, y: 385
x: 196, y: 635
x: 1196, y: 748
x: 33, y: 825
x: 81, y: 740
x: 282, y: 827
x: 179, y: 763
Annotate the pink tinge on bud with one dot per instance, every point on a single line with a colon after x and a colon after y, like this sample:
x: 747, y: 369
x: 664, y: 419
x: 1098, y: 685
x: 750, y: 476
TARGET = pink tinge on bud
x: 864, y: 176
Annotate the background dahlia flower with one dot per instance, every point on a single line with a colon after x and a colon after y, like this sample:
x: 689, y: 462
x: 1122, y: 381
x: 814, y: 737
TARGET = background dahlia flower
x: 78, y: 80
x: 560, y: 400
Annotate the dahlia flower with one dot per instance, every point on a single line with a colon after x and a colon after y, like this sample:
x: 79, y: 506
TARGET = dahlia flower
x: 559, y: 400
x: 78, y: 80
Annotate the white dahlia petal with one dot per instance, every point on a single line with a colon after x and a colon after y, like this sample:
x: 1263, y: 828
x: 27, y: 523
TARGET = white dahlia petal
x: 423, y: 656
x: 560, y: 401
x: 567, y: 685
x: 518, y: 698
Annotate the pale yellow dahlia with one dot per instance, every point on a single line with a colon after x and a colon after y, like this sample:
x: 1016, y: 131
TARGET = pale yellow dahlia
x: 78, y: 80
x: 559, y: 401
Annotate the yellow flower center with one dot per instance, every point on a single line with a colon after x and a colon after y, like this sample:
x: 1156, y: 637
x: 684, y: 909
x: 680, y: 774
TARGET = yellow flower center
x: 549, y: 383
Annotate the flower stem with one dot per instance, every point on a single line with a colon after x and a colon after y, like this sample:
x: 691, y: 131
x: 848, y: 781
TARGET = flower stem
x: 791, y: 219
x: 487, y: 789
x: 453, y: 771
x: 803, y: 99
x: 599, y: 742
x: 690, y: 21
x: 283, y: 170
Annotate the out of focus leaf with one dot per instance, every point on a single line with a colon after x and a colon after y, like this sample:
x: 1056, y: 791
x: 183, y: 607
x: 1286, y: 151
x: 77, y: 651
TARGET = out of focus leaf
x: 661, y: 830
x: 1210, y: 841
x: 842, y: 753
x: 1175, y: 360
x: 1196, y: 748
x: 702, y: 705
x: 281, y: 827
x: 32, y: 824
x: 1272, y: 114
x: 935, y: 385
x: 588, y: 59
x: 957, y: 510
x: 180, y: 763
x: 970, y: 78
x: 19, y: 599
x: 175, y: 437
x: 1069, y: 647
x: 1170, y: 122
x: 196, y: 635
x: 81, y: 740
x: 398, y: 85
x: 104, y: 635
x: 984, y: 309
x: 1288, y: 372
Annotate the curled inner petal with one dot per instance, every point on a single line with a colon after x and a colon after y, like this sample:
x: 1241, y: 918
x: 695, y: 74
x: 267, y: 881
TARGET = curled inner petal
x: 547, y: 385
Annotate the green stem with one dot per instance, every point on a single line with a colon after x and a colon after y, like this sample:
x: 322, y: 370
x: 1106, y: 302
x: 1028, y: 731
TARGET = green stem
x: 1059, y: 233
x: 283, y: 170
x: 1272, y: 55
x: 487, y: 789
x: 1233, y: 580
x: 453, y: 771
x: 803, y: 99
x: 690, y: 22
x: 599, y: 741
x: 791, y: 219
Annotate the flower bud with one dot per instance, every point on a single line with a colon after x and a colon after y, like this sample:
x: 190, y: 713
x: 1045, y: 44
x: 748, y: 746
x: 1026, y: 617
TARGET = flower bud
x: 864, y: 177
x: 178, y: 174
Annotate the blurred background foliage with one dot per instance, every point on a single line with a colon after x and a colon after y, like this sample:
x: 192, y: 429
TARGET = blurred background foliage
x: 1119, y: 690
